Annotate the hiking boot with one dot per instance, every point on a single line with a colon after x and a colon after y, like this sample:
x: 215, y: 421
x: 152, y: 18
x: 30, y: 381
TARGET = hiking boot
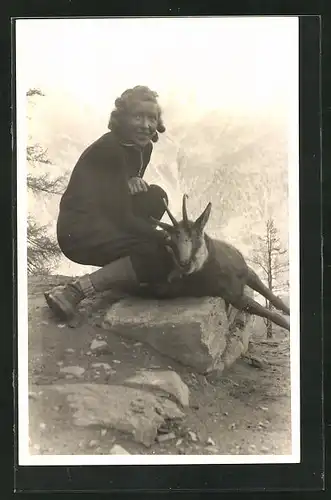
x: 64, y: 299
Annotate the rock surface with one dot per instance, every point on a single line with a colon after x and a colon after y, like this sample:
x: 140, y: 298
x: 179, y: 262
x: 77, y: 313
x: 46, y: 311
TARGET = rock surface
x: 118, y: 450
x: 165, y: 381
x: 232, y: 410
x: 194, y: 332
x: 99, y: 346
x: 76, y: 371
x: 132, y: 411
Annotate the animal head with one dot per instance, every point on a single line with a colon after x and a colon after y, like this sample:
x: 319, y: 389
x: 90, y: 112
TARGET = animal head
x: 187, y: 239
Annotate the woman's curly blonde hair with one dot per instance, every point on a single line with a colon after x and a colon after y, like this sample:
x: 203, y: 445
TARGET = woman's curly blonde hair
x: 124, y: 103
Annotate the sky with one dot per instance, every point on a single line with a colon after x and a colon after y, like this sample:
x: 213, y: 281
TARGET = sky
x: 203, y: 63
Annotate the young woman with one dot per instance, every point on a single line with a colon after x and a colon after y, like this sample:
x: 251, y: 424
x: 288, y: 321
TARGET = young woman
x: 104, y: 217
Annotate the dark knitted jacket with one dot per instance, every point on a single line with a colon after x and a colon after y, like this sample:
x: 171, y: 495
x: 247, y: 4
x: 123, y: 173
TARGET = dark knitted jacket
x: 96, y: 206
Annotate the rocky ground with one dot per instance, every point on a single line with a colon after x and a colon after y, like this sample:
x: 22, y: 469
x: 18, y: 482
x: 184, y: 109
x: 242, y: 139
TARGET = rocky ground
x: 246, y: 411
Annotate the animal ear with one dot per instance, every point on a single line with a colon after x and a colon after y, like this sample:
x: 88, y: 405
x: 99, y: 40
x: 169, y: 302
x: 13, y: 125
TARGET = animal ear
x: 203, y: 218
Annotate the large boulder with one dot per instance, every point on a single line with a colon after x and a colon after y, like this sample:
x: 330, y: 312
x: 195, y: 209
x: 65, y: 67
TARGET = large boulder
x: 193, y: 331
x: 165, y: 381
x: 136, y: 412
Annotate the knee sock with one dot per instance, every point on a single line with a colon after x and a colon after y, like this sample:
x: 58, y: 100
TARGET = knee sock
x: 119, y: 274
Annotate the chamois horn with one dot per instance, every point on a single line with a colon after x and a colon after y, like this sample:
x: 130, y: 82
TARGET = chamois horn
x: 172, y: 218
x: 184, y: 210
x: 163, y: 225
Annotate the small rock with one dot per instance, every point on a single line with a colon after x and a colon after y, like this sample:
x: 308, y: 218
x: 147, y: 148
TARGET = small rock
x: 179, y: 442
x: 103, y: 432
x: 163, y: 429
x: 166, y: 437
x: 232, y: 382
x: 33, y: 395
x: 118, y: 450
x: 88, y: 353
x: 93, y: 443
x: 211, y: 442
x: 98, y: 449
x: 137, y: 406
x: 77, y: 371
x: 42, y: 426
x: 37, y: 447
x: 225, y: 413
x: 99, y: 347
x: 264, y: 449
x: 56, y: 408
x: 213, y: 450
x: 69, y: 350
x: 193, y: 436
x: 61, y: 325
x: 116, y: 361
x: 264, y: 408
x: 60, y: 363
x: 105, y: 366
x: 232, y: 426
x: 138, y: 343
x: 69, y: 376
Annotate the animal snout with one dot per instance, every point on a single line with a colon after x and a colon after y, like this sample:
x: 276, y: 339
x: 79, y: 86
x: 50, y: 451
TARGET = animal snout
x: 185, y: 266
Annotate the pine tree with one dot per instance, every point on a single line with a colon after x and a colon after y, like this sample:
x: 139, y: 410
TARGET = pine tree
x: 43, y: 251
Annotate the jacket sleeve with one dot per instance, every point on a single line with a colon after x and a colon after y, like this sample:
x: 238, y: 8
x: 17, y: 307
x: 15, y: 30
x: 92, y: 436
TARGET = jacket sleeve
x: 109, y: 186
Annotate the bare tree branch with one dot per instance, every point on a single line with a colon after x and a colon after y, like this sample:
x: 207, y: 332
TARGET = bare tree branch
x: 33, y: 92
x: 258, y: 263
x: 44, y: 184
x: 269, y: 256
x: 36, y: 154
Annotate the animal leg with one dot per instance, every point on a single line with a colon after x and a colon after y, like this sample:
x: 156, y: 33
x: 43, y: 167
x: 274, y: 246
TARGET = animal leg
x: 254, y: 282
x: 248, y: 304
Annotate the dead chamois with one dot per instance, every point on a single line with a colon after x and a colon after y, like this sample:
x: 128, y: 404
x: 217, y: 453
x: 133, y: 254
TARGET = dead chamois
x: 208, y: 267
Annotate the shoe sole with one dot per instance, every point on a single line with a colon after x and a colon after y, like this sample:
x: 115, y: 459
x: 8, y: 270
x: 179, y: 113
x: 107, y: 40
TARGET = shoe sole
x: 58, y: 308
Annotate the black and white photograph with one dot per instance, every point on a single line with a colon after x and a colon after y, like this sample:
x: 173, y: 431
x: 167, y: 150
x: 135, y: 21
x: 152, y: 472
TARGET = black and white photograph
x: 158, y: 240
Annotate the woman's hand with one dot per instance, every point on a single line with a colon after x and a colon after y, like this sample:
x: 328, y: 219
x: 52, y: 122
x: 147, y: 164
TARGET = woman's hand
x: 137, y: 185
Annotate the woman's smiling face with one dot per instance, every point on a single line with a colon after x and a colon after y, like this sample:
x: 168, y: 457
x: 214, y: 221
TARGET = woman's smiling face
x: 141, y: 122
